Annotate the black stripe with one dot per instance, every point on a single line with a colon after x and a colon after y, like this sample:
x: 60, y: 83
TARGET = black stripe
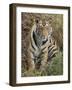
x: 43, y: 42
x: 50, y: 48
x: 34, y: 39
x: 43, y: 48
x: 52, y: 52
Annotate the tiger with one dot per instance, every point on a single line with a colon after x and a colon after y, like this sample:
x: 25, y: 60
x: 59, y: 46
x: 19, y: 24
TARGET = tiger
x: 38, y: 45
x: 41, y: 45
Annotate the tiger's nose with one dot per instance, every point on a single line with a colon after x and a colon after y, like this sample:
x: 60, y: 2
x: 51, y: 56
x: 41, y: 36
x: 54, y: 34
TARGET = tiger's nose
x: 43, y: 24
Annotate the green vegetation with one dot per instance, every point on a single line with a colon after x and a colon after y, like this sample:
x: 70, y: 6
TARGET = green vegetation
x: 55, y: 67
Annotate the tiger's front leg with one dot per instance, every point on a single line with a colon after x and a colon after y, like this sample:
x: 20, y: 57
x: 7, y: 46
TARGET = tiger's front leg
x: 44, y: 58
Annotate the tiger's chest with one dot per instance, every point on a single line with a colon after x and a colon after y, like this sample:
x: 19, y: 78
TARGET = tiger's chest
x: 39, y: 53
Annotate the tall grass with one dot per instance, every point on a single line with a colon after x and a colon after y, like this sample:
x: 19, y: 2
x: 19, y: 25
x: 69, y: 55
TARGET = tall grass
x: 55, y: 67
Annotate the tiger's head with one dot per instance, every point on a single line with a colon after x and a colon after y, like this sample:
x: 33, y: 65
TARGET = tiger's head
x: 42, y: 33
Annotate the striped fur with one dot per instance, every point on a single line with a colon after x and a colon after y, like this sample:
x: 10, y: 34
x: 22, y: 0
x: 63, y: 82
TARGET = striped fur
x: 41, y: 47
x: 52, y: 49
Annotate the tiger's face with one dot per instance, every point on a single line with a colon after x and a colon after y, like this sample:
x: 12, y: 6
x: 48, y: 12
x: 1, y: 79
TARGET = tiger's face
x: 42, y: 31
